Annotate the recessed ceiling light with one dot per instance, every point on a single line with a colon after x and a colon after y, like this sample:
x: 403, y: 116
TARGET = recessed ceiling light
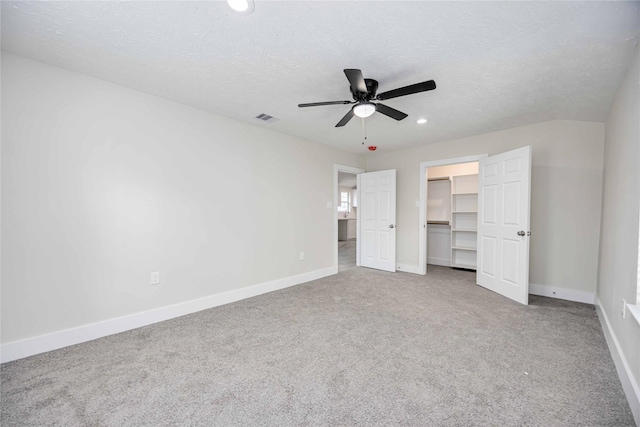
x: 242, y: 6
x: 421, y: 121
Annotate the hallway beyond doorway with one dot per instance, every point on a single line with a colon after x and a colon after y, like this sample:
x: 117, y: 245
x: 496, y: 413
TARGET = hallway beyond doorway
x: 346, y: 255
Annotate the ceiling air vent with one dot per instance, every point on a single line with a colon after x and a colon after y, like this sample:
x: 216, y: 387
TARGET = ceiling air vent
x: 267, y: 118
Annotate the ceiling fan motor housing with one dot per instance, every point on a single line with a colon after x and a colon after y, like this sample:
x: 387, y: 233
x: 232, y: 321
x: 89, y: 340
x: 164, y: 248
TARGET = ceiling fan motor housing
x: 372, y: 88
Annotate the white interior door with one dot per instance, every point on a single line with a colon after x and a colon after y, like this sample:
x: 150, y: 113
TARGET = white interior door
x: 503, y: 223
x: 377, y: 214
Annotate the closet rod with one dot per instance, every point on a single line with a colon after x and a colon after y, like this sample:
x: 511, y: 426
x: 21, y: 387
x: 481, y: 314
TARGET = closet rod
x: 444, y: 178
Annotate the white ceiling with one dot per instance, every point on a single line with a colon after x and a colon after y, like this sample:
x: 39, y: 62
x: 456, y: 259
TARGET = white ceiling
x: 496, y: 64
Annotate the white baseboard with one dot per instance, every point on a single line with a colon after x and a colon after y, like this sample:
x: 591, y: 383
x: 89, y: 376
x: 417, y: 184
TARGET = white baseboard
x: 445, y: 262
x: 43, y: 343
x: 629, y: 384
x: 408, y: 268
x: 562, y: 293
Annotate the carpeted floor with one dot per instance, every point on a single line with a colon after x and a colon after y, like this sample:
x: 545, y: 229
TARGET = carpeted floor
x: 346, y: 255
x: 363, y: 347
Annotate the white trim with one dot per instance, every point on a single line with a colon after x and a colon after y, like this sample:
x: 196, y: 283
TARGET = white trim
x: 635, y: 311
x: 43, y: 343
x: 629, y: 384
x: 445, y: 262
x: 408, y: 268
x: 422, y: 221
x: 562, y: 293
x: 358, y: 221
x: 357, y: 171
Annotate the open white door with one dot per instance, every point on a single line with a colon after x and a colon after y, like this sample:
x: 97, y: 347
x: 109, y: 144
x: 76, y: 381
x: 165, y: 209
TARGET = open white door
x: 503, y: 223
x: 377, y: 216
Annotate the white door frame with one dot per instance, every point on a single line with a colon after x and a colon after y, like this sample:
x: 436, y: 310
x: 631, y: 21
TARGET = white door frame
x: 422, y: 224
x: 348, y: 169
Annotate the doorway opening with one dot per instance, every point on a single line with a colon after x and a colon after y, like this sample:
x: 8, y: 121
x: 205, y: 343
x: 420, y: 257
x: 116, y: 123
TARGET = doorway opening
x: 345, y: 209
x: 347, y: 220
x: 449, y: 213
x: 452, y: 215
x: 499, y: 207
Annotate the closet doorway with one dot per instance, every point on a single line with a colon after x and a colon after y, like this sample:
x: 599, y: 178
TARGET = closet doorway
x: 449, y: 213
x: 489, y: 218
x: 452, y: 215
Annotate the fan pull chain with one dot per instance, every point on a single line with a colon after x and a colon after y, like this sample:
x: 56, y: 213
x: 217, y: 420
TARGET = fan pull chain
x: 364, y: 132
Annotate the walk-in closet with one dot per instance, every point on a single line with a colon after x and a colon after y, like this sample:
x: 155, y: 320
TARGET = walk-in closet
x: 452, y: 215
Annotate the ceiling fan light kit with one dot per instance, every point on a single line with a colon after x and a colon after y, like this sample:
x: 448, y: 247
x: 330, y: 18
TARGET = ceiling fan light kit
x: 364, y: 92
x: 364, y: 109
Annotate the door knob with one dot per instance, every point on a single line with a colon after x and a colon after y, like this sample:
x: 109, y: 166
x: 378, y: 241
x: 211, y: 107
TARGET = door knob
x: 521, y: 233
x: 391, y: 226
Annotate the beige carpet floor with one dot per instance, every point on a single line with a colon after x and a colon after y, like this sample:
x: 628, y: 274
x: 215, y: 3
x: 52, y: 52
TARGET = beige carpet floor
x: 360, y: 348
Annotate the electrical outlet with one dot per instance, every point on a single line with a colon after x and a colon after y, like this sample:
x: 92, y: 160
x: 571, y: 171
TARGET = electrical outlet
x: 624, y: 308
x: 301, y: 256
x: 329, y: 205
x: 155, y: 278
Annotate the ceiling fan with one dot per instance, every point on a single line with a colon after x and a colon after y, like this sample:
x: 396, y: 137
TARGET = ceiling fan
x: 364, y: 91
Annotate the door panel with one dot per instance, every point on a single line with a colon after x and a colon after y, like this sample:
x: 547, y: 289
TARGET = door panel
x: 490, y: 205
x: 486, y: 255
x: 378, y: 216
x: 503, y: 223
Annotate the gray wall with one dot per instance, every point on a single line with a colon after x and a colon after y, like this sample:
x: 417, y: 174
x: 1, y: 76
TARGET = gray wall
x: 565, y: 196
x: 618, y: 265
x: 102, y: 185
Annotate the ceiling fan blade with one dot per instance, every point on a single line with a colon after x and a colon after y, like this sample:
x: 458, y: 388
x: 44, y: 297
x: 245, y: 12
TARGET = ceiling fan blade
x: 356, y: 80
x: 345, y: 119
x: 407, y: 90
x: 316, y: 104
x: 391, y: 112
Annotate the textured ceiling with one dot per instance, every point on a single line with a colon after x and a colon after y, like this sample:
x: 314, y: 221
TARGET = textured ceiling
x: 497, y: 64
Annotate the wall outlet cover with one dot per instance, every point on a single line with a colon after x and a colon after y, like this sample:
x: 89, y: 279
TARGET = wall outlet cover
x: 155, y: 278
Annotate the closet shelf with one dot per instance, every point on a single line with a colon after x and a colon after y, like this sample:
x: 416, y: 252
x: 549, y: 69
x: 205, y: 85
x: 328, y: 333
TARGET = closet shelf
x: 465, y: 266
x: 456, y: 199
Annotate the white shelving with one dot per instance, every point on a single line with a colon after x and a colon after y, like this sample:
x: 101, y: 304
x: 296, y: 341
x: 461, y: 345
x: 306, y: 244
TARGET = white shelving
x: 439, y: 221
x: 464, y: 221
